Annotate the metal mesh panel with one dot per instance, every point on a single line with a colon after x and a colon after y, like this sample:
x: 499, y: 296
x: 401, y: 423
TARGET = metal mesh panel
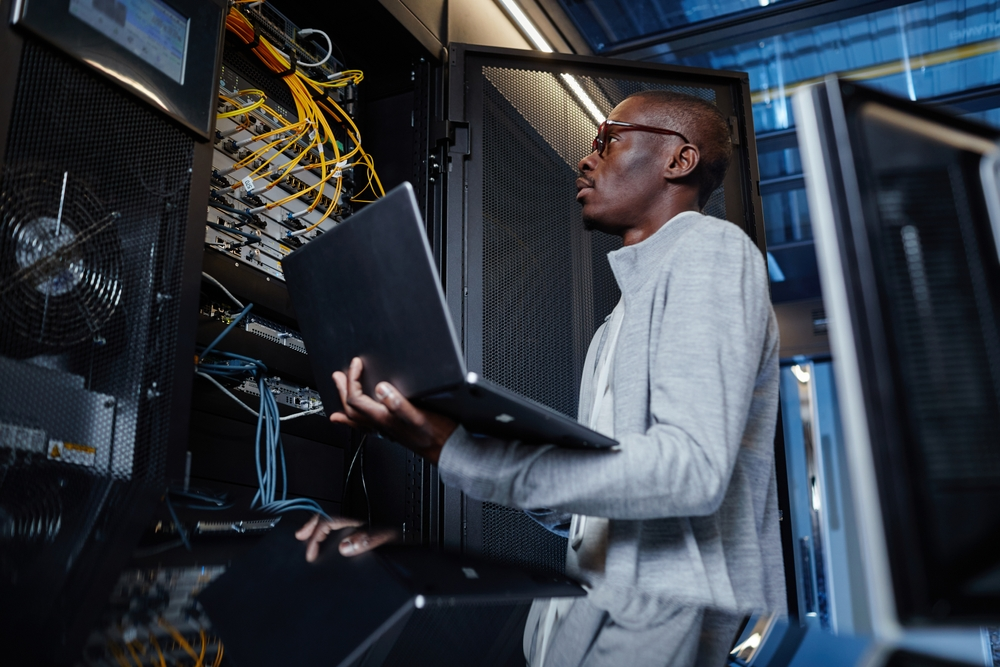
x: 511, y: 536
x: 930, y: 271
x: 93, y: 213
x: 547, y: 284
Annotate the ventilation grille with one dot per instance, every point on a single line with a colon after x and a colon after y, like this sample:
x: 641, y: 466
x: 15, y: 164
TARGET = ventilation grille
x: 511, y: 536
x: 944, y: 326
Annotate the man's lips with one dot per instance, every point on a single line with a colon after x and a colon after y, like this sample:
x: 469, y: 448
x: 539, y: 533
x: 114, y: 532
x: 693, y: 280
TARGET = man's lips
x: 582, y: 185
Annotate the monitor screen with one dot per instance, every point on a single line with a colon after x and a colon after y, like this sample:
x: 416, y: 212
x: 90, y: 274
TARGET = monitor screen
x: 151, y: 29
x: 909, y: 247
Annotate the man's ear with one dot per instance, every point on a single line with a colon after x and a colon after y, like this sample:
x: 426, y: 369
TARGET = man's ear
x: 682, y: 162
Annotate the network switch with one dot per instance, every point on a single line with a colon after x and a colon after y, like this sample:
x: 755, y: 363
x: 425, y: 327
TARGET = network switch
x: 280, y: 180
x: 285, y: 393
x: 260, y: 326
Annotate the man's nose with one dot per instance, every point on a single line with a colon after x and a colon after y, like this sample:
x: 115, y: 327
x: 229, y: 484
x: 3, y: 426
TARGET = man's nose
x: 588, y: 162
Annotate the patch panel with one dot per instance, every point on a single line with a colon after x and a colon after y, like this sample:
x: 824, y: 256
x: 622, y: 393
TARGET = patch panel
x: 294, y: 396
x: 258, y: 169
x: 259, y: 326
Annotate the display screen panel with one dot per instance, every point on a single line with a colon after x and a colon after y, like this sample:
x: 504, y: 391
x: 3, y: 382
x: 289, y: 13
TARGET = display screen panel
x: 150, y: 29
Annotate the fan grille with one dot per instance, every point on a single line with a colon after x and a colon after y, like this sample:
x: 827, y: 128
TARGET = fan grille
x: 59, y: 258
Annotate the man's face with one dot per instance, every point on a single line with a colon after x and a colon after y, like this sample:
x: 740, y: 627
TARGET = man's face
x: 617, y: 188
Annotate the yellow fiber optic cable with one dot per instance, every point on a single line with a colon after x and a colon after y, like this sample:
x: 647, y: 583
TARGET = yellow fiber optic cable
x: 256, y: 104
x: 156, y: 645
x: 309, y: 110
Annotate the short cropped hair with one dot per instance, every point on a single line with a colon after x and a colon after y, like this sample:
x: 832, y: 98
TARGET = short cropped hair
x: 704, y: 126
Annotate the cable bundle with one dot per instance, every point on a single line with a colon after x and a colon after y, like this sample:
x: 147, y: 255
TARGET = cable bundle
x: 270, y: 452
x: 312, y: 105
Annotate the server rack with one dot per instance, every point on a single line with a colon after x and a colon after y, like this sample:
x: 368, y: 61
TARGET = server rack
x: 102, y: 154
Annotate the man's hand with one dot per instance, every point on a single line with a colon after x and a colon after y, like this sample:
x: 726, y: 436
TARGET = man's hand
x: 316, y: 530
x: 390, y: 413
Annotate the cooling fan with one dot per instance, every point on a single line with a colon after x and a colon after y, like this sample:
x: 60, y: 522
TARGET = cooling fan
x: 60, y: 261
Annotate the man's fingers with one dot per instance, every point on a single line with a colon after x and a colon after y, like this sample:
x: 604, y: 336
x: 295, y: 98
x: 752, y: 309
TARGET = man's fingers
x: 319, y: 535
x: 316, y: 530
x: 354, y: 378
x: 359, y: 543
x: 306, y: 531
x: 397, y: 404
x: 341, y: 418
x: 369, y: 407
x: 339, y: 522
x: 340, y: 380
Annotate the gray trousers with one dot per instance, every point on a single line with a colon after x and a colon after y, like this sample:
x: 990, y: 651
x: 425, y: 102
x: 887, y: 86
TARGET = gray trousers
x: 689, y: 637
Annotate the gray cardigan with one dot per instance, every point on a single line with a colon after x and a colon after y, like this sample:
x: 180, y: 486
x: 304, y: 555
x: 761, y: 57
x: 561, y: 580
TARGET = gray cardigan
x: 692, y: 493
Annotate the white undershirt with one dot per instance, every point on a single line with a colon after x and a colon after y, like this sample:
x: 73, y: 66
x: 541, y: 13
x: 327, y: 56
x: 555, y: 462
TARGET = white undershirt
x: 588, y: 536
x: 602, y: 410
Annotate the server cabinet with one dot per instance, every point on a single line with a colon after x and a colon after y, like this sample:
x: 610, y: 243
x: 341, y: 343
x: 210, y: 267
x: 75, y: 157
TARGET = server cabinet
x: 100, y: 226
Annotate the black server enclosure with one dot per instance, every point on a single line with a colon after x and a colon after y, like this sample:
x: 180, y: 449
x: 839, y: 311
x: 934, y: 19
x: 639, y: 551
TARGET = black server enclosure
x: 907, y: 249
x: 100, y: 234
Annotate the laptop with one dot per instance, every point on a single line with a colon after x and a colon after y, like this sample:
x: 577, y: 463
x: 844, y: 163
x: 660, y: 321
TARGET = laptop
x: 368, y: 288
x: 394, y: 605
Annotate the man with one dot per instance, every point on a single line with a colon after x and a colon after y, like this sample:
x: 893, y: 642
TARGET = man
x: 682, y: 536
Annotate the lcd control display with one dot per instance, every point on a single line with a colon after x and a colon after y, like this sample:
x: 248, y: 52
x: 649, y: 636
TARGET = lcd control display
x: 150, y: 29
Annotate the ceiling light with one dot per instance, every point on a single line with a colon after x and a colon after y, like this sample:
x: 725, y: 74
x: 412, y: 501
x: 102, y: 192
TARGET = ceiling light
x: 526, y: 26
x: 583, y: 97
x: 535, y: 37
x: 801, y: 374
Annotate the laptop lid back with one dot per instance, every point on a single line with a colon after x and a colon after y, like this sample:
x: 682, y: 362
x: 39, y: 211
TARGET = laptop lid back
x: 366, y: 287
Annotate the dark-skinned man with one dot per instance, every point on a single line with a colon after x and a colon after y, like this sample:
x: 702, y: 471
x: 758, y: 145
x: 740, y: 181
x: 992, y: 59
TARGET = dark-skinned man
x: 676, y: 535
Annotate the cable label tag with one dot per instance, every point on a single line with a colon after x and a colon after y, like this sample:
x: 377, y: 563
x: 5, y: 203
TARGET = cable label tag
x: 339, y: 173
x: 248, y: 184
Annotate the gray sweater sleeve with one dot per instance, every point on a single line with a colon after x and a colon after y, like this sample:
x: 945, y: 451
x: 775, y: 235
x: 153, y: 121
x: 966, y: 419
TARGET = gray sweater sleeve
x: 711, y: 312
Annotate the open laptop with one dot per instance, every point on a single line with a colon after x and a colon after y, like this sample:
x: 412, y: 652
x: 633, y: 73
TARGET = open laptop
x: 394, y: 605
x: 368, y: 288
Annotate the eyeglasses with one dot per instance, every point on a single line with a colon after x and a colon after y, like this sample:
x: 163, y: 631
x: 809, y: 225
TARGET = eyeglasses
x: 601, y: 140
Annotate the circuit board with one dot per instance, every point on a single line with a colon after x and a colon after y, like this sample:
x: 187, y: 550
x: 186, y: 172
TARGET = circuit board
x: 257, y: 325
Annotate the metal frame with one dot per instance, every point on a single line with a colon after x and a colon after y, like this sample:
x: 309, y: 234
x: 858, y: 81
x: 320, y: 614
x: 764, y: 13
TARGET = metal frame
x: 823, y: 163
x: 868, y: 388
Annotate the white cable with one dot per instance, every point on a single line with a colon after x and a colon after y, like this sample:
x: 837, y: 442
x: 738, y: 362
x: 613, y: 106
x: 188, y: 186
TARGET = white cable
x: 329, y: 44
x: 227, y: 392
x: 236, y: 302
x: 314, y: 411
x: 305, y: 33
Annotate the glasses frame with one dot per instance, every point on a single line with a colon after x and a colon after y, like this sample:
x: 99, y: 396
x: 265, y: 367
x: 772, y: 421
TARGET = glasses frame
x: 601, y: 140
